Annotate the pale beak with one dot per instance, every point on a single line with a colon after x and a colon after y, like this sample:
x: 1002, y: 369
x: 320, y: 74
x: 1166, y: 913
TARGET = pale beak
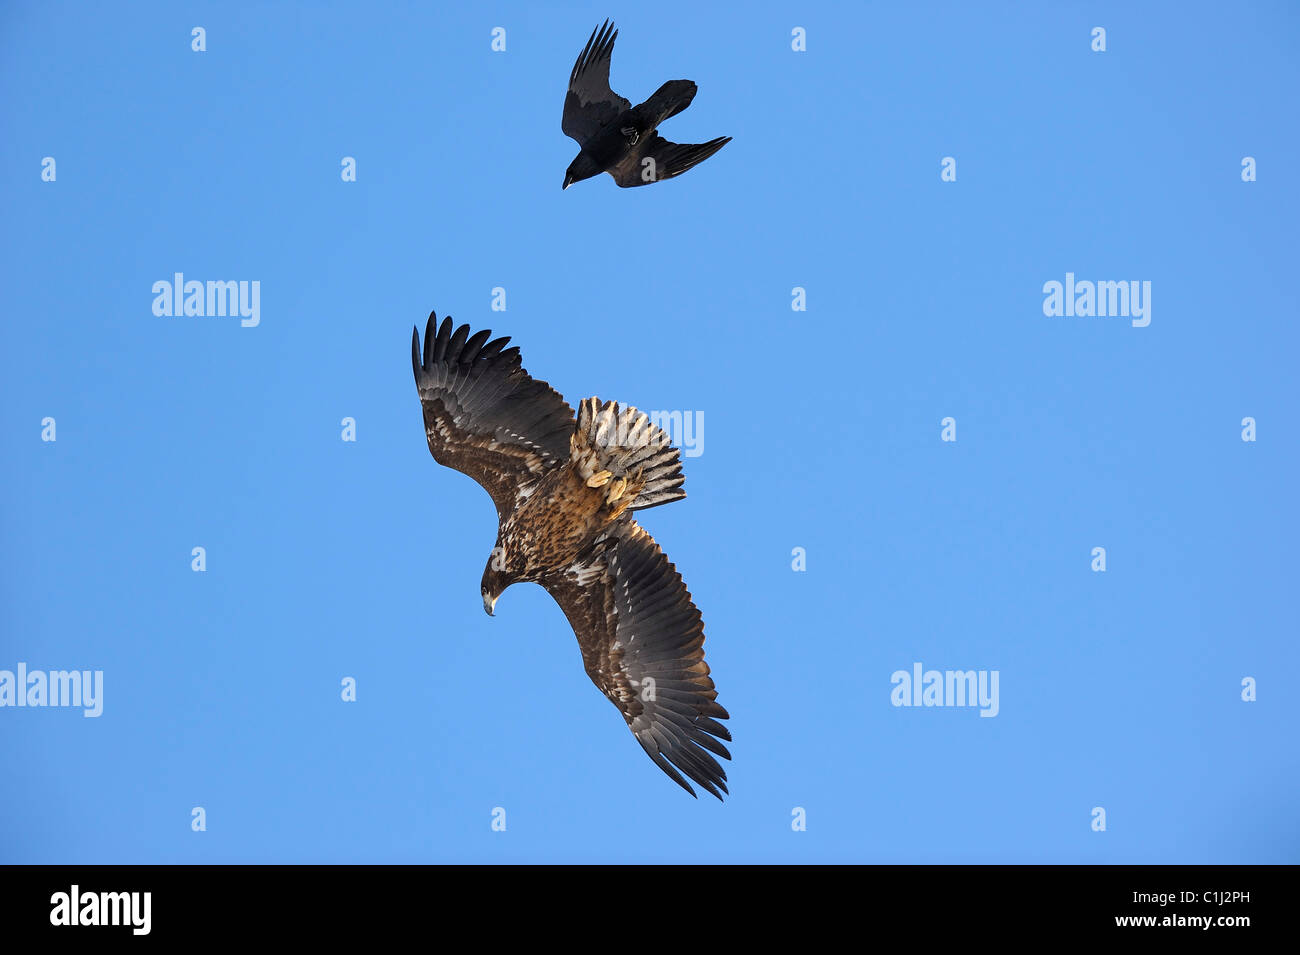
x: 490, y: 604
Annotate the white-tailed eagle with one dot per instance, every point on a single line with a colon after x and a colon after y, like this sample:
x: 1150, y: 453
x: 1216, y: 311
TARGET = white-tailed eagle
x: 565, y: 491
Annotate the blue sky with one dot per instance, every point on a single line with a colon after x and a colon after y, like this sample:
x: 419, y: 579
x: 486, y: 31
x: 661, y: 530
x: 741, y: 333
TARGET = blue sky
x: 329, y: 559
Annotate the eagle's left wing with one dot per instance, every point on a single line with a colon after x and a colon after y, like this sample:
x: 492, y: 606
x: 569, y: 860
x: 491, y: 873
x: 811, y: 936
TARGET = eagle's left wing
x: 642, y: 643
x: 483, y: 414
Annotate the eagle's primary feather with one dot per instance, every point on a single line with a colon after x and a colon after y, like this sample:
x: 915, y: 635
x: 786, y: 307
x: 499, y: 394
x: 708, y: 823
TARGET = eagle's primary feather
x: 565, y: 491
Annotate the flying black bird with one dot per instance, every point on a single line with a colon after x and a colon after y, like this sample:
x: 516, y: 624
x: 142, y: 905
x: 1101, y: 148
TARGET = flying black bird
x: 565, y: 492
x: 616, y: 137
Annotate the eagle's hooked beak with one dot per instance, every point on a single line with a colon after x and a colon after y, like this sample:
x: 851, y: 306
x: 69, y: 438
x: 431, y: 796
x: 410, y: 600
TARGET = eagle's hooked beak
x: 489, y: 604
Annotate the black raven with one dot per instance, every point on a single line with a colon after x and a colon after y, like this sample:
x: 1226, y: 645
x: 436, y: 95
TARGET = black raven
x: 616, y: 137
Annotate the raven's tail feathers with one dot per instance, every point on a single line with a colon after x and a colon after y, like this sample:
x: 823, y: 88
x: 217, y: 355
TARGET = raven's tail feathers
x: 669, y: 100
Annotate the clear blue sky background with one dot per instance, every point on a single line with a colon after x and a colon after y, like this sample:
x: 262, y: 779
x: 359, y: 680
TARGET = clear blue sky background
x: 328, y: 559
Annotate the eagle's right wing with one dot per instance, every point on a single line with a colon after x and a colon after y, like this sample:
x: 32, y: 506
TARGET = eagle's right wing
x: 483, y: 414
x: 590, y: 104
x: 642, y: 643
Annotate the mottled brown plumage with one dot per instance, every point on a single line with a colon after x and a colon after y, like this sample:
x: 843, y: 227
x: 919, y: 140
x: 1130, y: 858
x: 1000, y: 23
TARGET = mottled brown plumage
x: 565, y: 492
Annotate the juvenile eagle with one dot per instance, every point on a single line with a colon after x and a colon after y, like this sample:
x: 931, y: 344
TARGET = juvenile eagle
x: 565, y: 492
x: 616, y: 137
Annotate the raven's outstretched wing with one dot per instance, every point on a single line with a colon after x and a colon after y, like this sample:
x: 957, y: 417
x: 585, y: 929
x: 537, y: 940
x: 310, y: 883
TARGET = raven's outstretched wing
x: 655, y: 158
x: 483, y: 414
x: 642, y: 643
x: 590, y: 104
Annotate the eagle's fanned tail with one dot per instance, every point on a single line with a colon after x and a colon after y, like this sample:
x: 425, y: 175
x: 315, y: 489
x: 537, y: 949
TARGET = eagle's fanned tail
x: 624, y: 444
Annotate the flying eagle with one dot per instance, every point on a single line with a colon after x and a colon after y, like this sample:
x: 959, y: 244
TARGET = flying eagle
x: 565, y: 492
x: 616, y: 137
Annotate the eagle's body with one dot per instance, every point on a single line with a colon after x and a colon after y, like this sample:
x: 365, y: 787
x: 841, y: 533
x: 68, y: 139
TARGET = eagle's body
x: 566, y: 491
x: 554, y: 524
x: 617, y: 137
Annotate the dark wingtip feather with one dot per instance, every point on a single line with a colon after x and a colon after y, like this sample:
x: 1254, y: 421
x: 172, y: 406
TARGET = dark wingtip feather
x: 444, y: 336
x: 475, y: 345
x: 581, y: 63
x: 599, y: 45
x: 430, y: 332
x: 458, y: 341
x: 494, y: 347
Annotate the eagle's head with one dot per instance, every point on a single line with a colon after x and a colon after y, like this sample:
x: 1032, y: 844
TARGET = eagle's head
x: 495, y: 579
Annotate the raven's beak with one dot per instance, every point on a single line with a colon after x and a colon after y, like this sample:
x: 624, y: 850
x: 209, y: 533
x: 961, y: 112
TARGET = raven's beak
x: 568, y: 181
